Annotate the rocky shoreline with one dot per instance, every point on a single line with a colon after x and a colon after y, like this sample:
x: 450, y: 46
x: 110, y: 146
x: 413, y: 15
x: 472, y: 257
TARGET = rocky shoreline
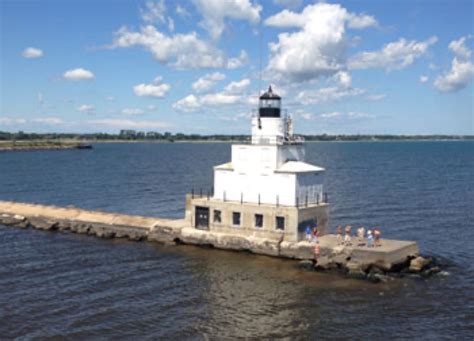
x: 413, y: 267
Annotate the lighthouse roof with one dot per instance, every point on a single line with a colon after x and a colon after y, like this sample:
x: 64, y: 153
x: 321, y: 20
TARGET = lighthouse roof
x: 270, y: 94
x: 299, y: 167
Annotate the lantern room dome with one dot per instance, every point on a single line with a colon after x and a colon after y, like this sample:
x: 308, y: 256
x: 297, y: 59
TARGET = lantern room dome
x: 269, y: 104
x: 270, y: 94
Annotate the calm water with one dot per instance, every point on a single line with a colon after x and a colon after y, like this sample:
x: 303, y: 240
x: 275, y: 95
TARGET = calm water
x: 73, y: 286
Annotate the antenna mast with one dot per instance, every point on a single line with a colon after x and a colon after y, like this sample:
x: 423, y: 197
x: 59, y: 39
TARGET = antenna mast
x: 260, y: 62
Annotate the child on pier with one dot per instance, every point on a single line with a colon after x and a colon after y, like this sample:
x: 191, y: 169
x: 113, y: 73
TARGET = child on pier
x: 347, y: 237
x: 360, y: 236
x: 370, y: 239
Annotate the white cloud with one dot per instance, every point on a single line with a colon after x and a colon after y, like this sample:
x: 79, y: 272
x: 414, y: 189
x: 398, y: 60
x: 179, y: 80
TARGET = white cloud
x: 352, y: 115
x: 358, y: 115
x: 232, y: 94
x: 128, y: 124
x: 462, y: 69
x: 86, y: 108
x: 182, y: 11
x: 393, y: 56
x: 78, y: 74
x: 187, y: 104
x: 376, y: 97
x: 131, y: 111
x: 215, y: 11
x: 182, y: 51
x: 457, y: 78
x: 110, y: 98
x: 236, y: 62
x: 424, y: 79
x: 344, y: 79
x: 156, y: 89
x: 12, y: 121
x: 207, y: 81
x: 331, y: 114
x: 154, y: 12
x: 459, y: 48
x: 48, y: 120
x: 192, y: 103
x: 170, y: 24
x: 329, y: 94
x: 317, y: 48
x: 306, y: 116
x: 32, y: 52
x: 237, y: 87
x: 219, y: 98
x: 361, y: 21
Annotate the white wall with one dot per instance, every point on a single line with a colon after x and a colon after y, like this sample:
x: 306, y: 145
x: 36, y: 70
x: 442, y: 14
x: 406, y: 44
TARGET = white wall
x: 271, y: 131
x: 269, y: 186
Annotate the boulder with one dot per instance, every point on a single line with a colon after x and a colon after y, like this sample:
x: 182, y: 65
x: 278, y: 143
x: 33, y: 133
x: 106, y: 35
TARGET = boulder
x: 354, y: 270
x: 264, y: 246
x: 301, y: 250
x: 306, y: 264
x: 14, y: 220
x: 430, y: 271
x: 164, y: 234
x: 419, y: 263
x: 41, y: 223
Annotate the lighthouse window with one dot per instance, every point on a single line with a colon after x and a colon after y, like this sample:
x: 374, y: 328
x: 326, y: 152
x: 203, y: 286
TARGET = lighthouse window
x: 217, y: 216
x: 280, y: 223
x: 236, y: 218
x: 259, y: 220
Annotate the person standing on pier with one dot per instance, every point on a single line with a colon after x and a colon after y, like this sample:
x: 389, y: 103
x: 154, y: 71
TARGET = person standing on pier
x: 370, y: 239
x: 308, y: 233
x: 377, y: 235
x: 339, y: 234
x: 347, y: 237
x: 315, y: 234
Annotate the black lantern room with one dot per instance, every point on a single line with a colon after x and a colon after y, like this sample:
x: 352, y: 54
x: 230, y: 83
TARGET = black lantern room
x: 269, y: 104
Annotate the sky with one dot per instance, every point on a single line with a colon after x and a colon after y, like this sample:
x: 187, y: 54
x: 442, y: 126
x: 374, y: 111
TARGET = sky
x: 198, y: 66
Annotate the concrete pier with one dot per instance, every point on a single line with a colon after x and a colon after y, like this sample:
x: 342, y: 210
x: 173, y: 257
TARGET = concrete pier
x: 355, y: 259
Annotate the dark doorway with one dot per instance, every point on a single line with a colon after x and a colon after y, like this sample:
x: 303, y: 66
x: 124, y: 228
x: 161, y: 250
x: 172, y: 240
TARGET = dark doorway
x: 202, y: 218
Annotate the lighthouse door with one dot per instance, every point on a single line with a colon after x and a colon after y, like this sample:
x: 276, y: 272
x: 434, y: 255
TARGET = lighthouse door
x: 202, y: 218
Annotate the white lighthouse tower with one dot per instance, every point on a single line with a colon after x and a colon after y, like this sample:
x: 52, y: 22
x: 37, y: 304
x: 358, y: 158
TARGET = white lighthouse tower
x: 267, y: 189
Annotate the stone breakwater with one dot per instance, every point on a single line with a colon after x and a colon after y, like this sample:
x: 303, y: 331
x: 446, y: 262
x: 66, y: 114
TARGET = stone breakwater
x: 393, y: 257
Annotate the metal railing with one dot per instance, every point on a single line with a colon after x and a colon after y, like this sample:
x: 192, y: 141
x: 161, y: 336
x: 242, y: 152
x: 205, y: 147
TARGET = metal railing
x: 308, y: 201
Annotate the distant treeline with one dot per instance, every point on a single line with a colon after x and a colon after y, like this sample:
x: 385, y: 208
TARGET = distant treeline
x: 131, y: 135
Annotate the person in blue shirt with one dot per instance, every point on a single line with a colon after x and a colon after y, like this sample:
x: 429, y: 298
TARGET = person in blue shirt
x: 308, y: 233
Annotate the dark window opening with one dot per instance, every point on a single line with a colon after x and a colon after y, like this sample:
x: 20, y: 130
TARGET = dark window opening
x: 259, y: 220
x: 217, y: 216
x: 236, y: 218
x: 280, y: 223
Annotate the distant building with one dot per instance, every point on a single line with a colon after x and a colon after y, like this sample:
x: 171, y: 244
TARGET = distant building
x: 128, y: 133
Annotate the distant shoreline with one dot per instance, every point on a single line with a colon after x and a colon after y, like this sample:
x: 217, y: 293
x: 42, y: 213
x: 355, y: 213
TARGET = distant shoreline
x: 33, y: 141
x: 12, y: 146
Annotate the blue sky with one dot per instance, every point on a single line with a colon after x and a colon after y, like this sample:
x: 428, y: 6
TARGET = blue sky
x: 386, y: 67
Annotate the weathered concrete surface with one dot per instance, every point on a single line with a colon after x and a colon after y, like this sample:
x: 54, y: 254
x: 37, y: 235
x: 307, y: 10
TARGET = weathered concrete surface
x: 355, y: 260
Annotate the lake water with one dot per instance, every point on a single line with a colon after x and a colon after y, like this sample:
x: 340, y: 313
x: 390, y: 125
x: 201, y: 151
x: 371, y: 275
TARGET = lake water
x: 64, y: 285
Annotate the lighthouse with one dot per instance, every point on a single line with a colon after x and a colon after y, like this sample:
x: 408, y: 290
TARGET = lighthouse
x: 267, y: 190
